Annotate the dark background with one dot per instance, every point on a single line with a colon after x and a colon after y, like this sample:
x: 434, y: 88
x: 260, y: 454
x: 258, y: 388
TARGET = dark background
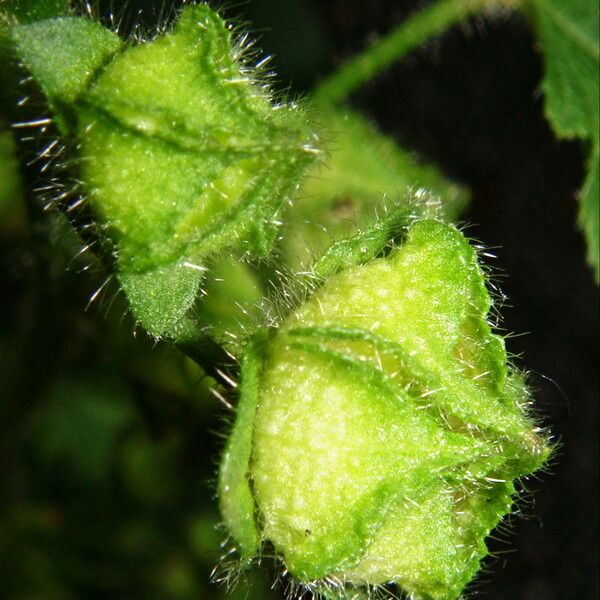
x: 141, y: 525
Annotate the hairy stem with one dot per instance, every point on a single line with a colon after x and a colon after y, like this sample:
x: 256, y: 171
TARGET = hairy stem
x: 424, y: 25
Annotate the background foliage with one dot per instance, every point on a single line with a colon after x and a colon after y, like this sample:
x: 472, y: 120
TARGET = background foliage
x: 108, y: 445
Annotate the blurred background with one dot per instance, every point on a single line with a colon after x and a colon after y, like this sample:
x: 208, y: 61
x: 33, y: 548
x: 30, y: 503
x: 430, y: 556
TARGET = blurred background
x: 109, y: 443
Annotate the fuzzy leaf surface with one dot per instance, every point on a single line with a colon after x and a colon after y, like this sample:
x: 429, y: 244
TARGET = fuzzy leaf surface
x: 63, y: 54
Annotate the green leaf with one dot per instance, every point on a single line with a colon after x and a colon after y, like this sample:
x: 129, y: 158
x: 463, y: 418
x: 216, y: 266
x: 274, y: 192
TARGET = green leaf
x: 569, y: 35
x: 235, y: 494
x: 372, y: 240
x: 217, y: 314
x: 161, y: 297
x: 28, y: 11
x: 589, y: 210
x: 361, y: 174
x: 63, y: 55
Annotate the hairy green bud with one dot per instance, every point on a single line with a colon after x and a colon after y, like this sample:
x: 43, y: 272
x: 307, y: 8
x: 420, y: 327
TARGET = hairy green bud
x: 184, y: 157
x: 380, y: 429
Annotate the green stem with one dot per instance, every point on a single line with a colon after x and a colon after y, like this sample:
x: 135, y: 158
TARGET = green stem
x: 429, y: 22
x: 211, y: 357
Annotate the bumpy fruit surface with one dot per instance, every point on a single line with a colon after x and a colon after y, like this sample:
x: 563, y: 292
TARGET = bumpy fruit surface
x: 380, y: 429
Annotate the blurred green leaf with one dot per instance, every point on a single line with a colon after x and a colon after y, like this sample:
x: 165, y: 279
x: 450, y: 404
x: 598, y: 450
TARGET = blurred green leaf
x: 149, y: 468
x: 80, y: 424
x: 363, y: 172
x: 28, y: 11
x: 217, y: 314
x: 589, y: 210
x: 569, y: 34
x: 204, y: 537
x: 11, y: 205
